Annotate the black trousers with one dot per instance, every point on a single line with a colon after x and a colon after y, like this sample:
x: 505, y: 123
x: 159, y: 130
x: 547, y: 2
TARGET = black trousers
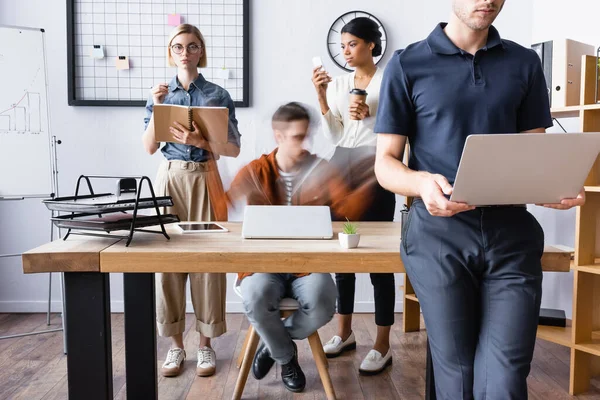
x: 478, y: 277
x: 385, y: 296
x: 357, y: 165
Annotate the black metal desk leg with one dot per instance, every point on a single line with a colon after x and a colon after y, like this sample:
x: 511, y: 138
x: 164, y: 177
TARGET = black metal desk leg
x: 429, y: 377
x: 89, y: 351
x: 140, y: 336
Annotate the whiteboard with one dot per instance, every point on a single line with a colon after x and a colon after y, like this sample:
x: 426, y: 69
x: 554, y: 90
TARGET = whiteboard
x: 25, y: 161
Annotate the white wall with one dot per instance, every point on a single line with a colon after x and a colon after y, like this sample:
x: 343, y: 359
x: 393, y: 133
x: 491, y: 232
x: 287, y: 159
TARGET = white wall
x: 285, y: 35
x: 574, y: 19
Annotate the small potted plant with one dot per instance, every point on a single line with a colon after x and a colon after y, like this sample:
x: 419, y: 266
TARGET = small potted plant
x: 349, y: 237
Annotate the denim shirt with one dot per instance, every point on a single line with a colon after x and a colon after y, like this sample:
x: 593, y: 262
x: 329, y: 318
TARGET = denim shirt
x: 200, y: 93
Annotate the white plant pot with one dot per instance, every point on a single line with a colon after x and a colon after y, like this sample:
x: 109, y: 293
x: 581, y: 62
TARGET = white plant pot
x: 349, y: 241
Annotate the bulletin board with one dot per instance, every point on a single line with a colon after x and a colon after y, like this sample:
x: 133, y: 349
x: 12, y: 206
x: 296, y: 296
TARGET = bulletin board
x: 117, y: 48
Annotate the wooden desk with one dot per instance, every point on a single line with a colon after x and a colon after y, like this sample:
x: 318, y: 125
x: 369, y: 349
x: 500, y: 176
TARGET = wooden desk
x: 379, y: 251
x: 88, y: 261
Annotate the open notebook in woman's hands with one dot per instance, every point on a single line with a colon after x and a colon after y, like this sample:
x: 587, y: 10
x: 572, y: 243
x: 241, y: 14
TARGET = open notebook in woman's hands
x: 212, y: 121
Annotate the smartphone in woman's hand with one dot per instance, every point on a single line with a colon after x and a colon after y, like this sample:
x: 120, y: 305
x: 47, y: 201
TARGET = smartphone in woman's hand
x: 317, y: 62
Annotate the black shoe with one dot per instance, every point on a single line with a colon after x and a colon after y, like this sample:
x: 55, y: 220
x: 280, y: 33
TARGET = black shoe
x: 262, y: 363
x: 291, y: 374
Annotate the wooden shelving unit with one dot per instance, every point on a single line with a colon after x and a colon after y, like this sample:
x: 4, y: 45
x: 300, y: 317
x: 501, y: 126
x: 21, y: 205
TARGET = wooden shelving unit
x: 585, y: 343
x: 556, y: 334
x: 411, y: 297
x: 582, y: 334
x: 573, y: 111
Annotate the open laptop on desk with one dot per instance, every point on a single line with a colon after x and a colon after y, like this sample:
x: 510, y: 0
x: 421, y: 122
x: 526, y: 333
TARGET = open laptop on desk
x: 524, y: 168
x: 287, y: 222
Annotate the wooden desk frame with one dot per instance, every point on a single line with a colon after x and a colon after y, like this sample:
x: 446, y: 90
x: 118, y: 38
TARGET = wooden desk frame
x: 88, y: 261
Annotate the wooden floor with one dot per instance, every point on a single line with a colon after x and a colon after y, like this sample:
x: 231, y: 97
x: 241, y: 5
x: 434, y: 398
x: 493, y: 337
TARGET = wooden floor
x: 34, y: 367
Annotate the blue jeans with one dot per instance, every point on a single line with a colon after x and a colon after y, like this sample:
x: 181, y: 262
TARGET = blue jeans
x: 261, y: 295
x: 478, y: 277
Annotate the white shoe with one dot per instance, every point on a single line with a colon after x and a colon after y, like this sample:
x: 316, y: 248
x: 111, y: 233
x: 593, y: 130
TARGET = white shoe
x: 207, y: 362
x: 336, y: 346
x: 374, y: 363
x: 173, y: 362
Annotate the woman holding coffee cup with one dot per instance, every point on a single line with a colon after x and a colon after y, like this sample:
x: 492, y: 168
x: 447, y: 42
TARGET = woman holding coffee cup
x: 349, y: 104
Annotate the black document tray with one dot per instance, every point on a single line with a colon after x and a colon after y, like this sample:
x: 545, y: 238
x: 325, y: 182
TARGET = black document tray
x: 103, y: 202
x: 111, y: 222
x: 99, y: 214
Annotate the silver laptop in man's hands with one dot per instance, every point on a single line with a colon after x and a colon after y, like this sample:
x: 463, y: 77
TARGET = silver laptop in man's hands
x: 287, y: 222
x: 532, y: 168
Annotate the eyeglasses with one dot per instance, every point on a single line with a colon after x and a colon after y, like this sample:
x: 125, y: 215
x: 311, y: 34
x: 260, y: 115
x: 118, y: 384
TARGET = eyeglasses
x: 191, y: 48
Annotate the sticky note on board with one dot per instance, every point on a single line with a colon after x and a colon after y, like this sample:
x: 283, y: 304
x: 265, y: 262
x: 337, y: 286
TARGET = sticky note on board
x: 223, y: 73
x: 97, y: 51
x: 174, y: 19
x: 122, y: 62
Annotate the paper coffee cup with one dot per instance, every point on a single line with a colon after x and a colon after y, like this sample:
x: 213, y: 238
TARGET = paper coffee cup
x: 358, y: 95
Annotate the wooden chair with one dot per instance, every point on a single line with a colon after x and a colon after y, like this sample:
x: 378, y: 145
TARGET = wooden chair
x: 287, y: 306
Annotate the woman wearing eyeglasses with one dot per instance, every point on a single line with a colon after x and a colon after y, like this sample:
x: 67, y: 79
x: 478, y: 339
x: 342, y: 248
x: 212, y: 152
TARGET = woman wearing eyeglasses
x: 189, y: 175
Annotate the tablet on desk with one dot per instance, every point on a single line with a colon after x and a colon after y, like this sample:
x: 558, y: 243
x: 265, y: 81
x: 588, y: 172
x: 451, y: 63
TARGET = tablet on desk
x: 200, y: 227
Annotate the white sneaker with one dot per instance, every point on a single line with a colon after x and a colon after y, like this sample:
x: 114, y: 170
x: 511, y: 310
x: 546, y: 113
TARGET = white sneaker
x: 336, y: 346
x: 207, y: 362
x: 173, y: 362
x: 374, y: 363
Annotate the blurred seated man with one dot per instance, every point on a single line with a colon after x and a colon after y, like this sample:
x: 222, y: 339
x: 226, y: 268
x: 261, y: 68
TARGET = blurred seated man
x: 290, y: 175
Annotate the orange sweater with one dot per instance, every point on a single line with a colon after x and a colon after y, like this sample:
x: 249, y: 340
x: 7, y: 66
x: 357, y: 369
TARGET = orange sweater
x: 216, y: 193
x: 316, y: 183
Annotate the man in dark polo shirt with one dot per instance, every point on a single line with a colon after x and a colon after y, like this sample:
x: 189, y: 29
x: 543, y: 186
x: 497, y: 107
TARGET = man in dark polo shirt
x: 476, y: 271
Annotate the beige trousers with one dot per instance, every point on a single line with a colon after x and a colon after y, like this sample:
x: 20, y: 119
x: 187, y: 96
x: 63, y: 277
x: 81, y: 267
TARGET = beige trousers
x: 185, y: 182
